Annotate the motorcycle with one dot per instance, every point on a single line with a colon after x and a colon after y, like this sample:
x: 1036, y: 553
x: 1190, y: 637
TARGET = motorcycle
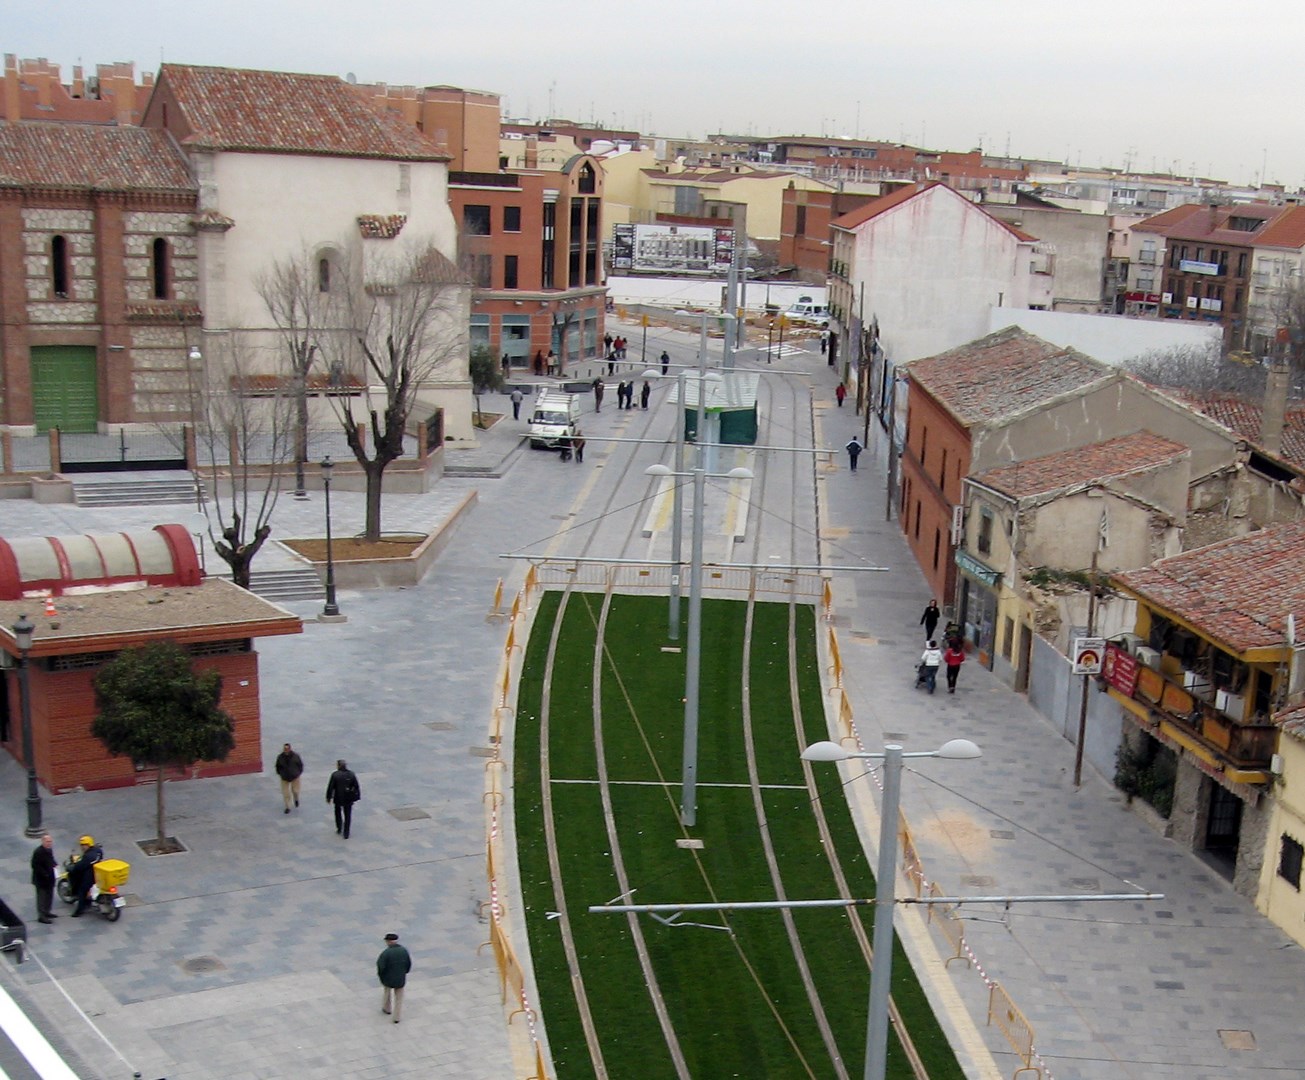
x: 104, y: 895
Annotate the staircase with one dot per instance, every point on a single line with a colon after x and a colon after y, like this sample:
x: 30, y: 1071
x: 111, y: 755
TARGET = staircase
x: 301, y: 583
x: 135, y: 491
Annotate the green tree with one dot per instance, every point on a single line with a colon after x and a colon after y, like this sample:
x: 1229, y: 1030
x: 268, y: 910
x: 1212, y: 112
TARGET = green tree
x: 486, y: 376
x: 157, y: 710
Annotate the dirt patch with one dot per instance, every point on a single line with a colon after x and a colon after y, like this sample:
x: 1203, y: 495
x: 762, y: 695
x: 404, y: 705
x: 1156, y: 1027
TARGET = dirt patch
x: 486, y: 420
x: 167, y: 845
x: 398, y: 546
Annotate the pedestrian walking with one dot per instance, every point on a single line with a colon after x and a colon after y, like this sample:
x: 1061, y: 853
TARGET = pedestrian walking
x: 598, y: 395
x: 629, y: 394
x: 930, y: 659
x: 43, y: 875
x: 620, y: 394
x: 392, y: 968
x: 953, y: 658
x: 507, y: 365
x: 517, y: 398
x: 552, y: 364
x: 930, y: 618
x: 564, y: 448
x: 289, y: 767
x: 666, y: 362
x: 539, y: 362
x: 824, y: 342
x: 853, y: 451
x: 607, y: 343
x: 611, y: 364
x: 840, y: 392
x: 343, y: 790
x: 620, y: 347
x: 645, y: 394
x: 578, y: 447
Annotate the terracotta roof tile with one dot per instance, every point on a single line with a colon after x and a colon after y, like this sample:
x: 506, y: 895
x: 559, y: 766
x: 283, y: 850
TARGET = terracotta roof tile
x: 90, y: 156
x: 1210, y: 224
x: 1003, y: 374
x: 875, y: 207
x: 275, y: 111
x: 1243, y: 418
x: 1069, y: 468
x: 1285, y: 231
x: 1239, y: 591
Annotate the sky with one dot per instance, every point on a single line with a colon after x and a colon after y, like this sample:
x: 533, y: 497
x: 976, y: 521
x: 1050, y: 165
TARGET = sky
x: 1205, y: 87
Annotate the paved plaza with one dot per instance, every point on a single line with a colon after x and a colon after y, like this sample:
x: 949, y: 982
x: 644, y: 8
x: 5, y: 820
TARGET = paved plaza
x: 252, y: 954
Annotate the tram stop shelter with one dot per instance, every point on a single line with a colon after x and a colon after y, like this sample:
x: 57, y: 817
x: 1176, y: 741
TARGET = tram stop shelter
x: 106, y: 593
x: 729, y: 407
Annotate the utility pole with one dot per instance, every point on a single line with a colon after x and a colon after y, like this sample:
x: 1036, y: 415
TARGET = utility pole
x: 1082, y: 705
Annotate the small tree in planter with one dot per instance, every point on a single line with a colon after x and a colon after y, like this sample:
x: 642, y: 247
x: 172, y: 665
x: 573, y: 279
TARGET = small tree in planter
x: 156, y: 709
x: 486, y: 377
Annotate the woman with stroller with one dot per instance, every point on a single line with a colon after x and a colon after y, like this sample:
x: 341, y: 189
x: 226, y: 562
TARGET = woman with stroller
x: 929, y: 663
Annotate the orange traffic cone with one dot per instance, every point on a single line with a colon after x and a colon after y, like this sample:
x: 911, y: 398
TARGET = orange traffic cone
x: 49, y: 604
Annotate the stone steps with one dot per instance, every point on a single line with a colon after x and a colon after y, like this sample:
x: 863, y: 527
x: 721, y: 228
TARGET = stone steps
x: 301, y: 583
x: 137, y: 491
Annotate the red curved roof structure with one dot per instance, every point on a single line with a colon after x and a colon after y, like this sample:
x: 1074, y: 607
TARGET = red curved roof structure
x: 37, y: 565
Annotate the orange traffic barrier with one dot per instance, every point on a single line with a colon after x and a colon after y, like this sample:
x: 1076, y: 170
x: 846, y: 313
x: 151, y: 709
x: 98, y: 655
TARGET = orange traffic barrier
x: 496, y: 610
x: 1006, y: 1016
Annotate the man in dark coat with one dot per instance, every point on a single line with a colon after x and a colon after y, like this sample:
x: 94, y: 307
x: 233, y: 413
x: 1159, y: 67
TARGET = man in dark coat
x: 930, y: 618
x: 645, y: 394
x: 392, y: 968
x: 43, y: 868
x: 343, y: 790
x: 666, y: 361
x: 82, y: 875
x: 289, y: 767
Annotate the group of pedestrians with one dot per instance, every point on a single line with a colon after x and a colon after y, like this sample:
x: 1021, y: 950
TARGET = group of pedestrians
x: 952, y: 657
x: 614, y: 350
x: 342, y: 789
x: 81, y: 876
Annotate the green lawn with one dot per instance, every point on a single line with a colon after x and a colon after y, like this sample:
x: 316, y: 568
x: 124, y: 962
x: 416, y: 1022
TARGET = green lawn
x: 735, y: 997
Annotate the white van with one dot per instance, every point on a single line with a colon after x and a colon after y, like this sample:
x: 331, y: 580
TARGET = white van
x: 806, y: 310
x: 555, y: 414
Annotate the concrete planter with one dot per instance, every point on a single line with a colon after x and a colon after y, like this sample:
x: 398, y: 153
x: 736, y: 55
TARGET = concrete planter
x: 52, y: 488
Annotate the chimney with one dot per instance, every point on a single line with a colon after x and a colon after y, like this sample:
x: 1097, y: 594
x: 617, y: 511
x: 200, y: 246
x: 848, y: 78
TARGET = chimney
x: 13, y: 100
x: 78, y: 82
x: 1275, y: 404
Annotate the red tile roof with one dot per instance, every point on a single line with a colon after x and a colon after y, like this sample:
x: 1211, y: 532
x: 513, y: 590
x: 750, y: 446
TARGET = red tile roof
x: 1210, y: 224
x: 1003, y: 374
x: 1244, y: 417
x: 1285, y: 231
x: 1084, y: 465
x: 875, y: 207
x: 90, y: 156
x: 1238, y: 592
x: 275, y: 111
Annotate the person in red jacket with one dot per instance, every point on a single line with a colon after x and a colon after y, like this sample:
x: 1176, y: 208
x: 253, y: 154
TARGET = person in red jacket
x: 953, y: 658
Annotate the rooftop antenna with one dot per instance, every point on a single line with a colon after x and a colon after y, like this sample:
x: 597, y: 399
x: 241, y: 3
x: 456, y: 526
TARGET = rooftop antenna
x: 552, y: 86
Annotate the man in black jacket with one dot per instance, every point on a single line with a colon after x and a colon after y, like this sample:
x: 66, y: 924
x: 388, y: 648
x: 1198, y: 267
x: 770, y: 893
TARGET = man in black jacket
x: 82, y: 875
x: 43, y: 866
x: 343, y: 790
x: 392, y: 968
x: 289, y: 767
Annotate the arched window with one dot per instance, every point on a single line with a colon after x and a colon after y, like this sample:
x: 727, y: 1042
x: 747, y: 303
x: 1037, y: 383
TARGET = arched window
x: 59, y: 266
x: 324, y: 274
x: 161, y: 268
x: 586, y: 185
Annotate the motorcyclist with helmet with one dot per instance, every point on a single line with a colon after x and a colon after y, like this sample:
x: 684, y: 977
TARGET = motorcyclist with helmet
x: 81, y: 876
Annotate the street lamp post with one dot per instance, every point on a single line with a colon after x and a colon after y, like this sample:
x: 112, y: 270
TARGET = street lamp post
x: 331, y: 609
x: 23, y: 630
x: 693, y: 650
x: 876, y: 1048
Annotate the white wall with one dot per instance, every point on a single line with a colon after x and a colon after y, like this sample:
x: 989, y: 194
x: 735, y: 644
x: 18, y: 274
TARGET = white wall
x: 676, y: 292
x: 1112, y: 339
x: 932, y: 268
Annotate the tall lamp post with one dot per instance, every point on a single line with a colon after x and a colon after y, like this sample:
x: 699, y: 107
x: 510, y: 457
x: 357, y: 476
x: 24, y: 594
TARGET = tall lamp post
x: 331, y: 609
x: 693, y: 651
x: 23, y: 630
x: 876, y: 1039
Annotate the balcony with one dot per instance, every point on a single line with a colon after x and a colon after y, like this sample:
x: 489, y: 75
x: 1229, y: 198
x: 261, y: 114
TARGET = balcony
x: 1209, y: 723
x: 1151, y: 258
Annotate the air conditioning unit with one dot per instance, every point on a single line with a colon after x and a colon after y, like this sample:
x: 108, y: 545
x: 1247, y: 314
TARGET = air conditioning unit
x: 1195, y: 680
x: 1233, y: 705
x: 1130, y: 643
x: 1148, y: 657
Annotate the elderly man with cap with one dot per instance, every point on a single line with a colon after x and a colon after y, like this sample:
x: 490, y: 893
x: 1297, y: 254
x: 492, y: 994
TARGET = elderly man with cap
x: 392, y: 968
x: 343, y: 790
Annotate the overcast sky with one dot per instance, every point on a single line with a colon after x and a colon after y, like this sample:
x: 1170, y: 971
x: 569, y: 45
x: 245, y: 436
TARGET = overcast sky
x: 1205, y: 86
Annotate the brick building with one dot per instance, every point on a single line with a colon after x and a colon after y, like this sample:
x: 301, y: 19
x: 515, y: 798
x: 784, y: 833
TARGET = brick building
x: 98, y: 276
x: 805, y: 238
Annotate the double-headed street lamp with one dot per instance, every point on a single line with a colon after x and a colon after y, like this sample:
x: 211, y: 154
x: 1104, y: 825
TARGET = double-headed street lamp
x: 693, y: 653
x: 876, y: 1050
x: 23, y: 630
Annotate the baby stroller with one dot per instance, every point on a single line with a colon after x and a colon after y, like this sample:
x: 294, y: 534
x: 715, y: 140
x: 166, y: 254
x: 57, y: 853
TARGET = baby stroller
x: 920, y: 675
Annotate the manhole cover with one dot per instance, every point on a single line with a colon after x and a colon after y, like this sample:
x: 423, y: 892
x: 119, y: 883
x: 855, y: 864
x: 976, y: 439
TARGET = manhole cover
x: 1087, y: 884
x: 408, y: 813
x: 439, y: 725
x: 202, y: 965
x: 1237, y: 1040
x: 1001, y: 834
x: 483, y: 751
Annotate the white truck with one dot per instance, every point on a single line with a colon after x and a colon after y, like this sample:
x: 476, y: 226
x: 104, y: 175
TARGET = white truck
x: 555, y: 415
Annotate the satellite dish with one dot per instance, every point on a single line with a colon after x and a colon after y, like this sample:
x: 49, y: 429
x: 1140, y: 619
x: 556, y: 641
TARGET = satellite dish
x: 197, y: 523
x: 351, y: 79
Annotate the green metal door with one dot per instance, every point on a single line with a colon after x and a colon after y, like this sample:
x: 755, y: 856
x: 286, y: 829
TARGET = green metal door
x: 64, y: 392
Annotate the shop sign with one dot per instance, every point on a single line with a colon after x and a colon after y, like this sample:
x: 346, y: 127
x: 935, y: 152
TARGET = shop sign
x: 1119, y: 669
x: 970, y: 565
x: 1088, y: 655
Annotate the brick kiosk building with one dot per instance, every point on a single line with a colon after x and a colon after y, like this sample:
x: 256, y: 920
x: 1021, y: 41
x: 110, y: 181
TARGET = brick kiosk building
x: 111, y: 592
x: 98, y: 278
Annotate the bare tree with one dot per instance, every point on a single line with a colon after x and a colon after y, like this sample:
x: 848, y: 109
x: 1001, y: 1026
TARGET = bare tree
x: 1286, y: 309
x: 297, y: 293
x: 244, y: 434
x: 407, y: 324
x: 1200, y: 367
